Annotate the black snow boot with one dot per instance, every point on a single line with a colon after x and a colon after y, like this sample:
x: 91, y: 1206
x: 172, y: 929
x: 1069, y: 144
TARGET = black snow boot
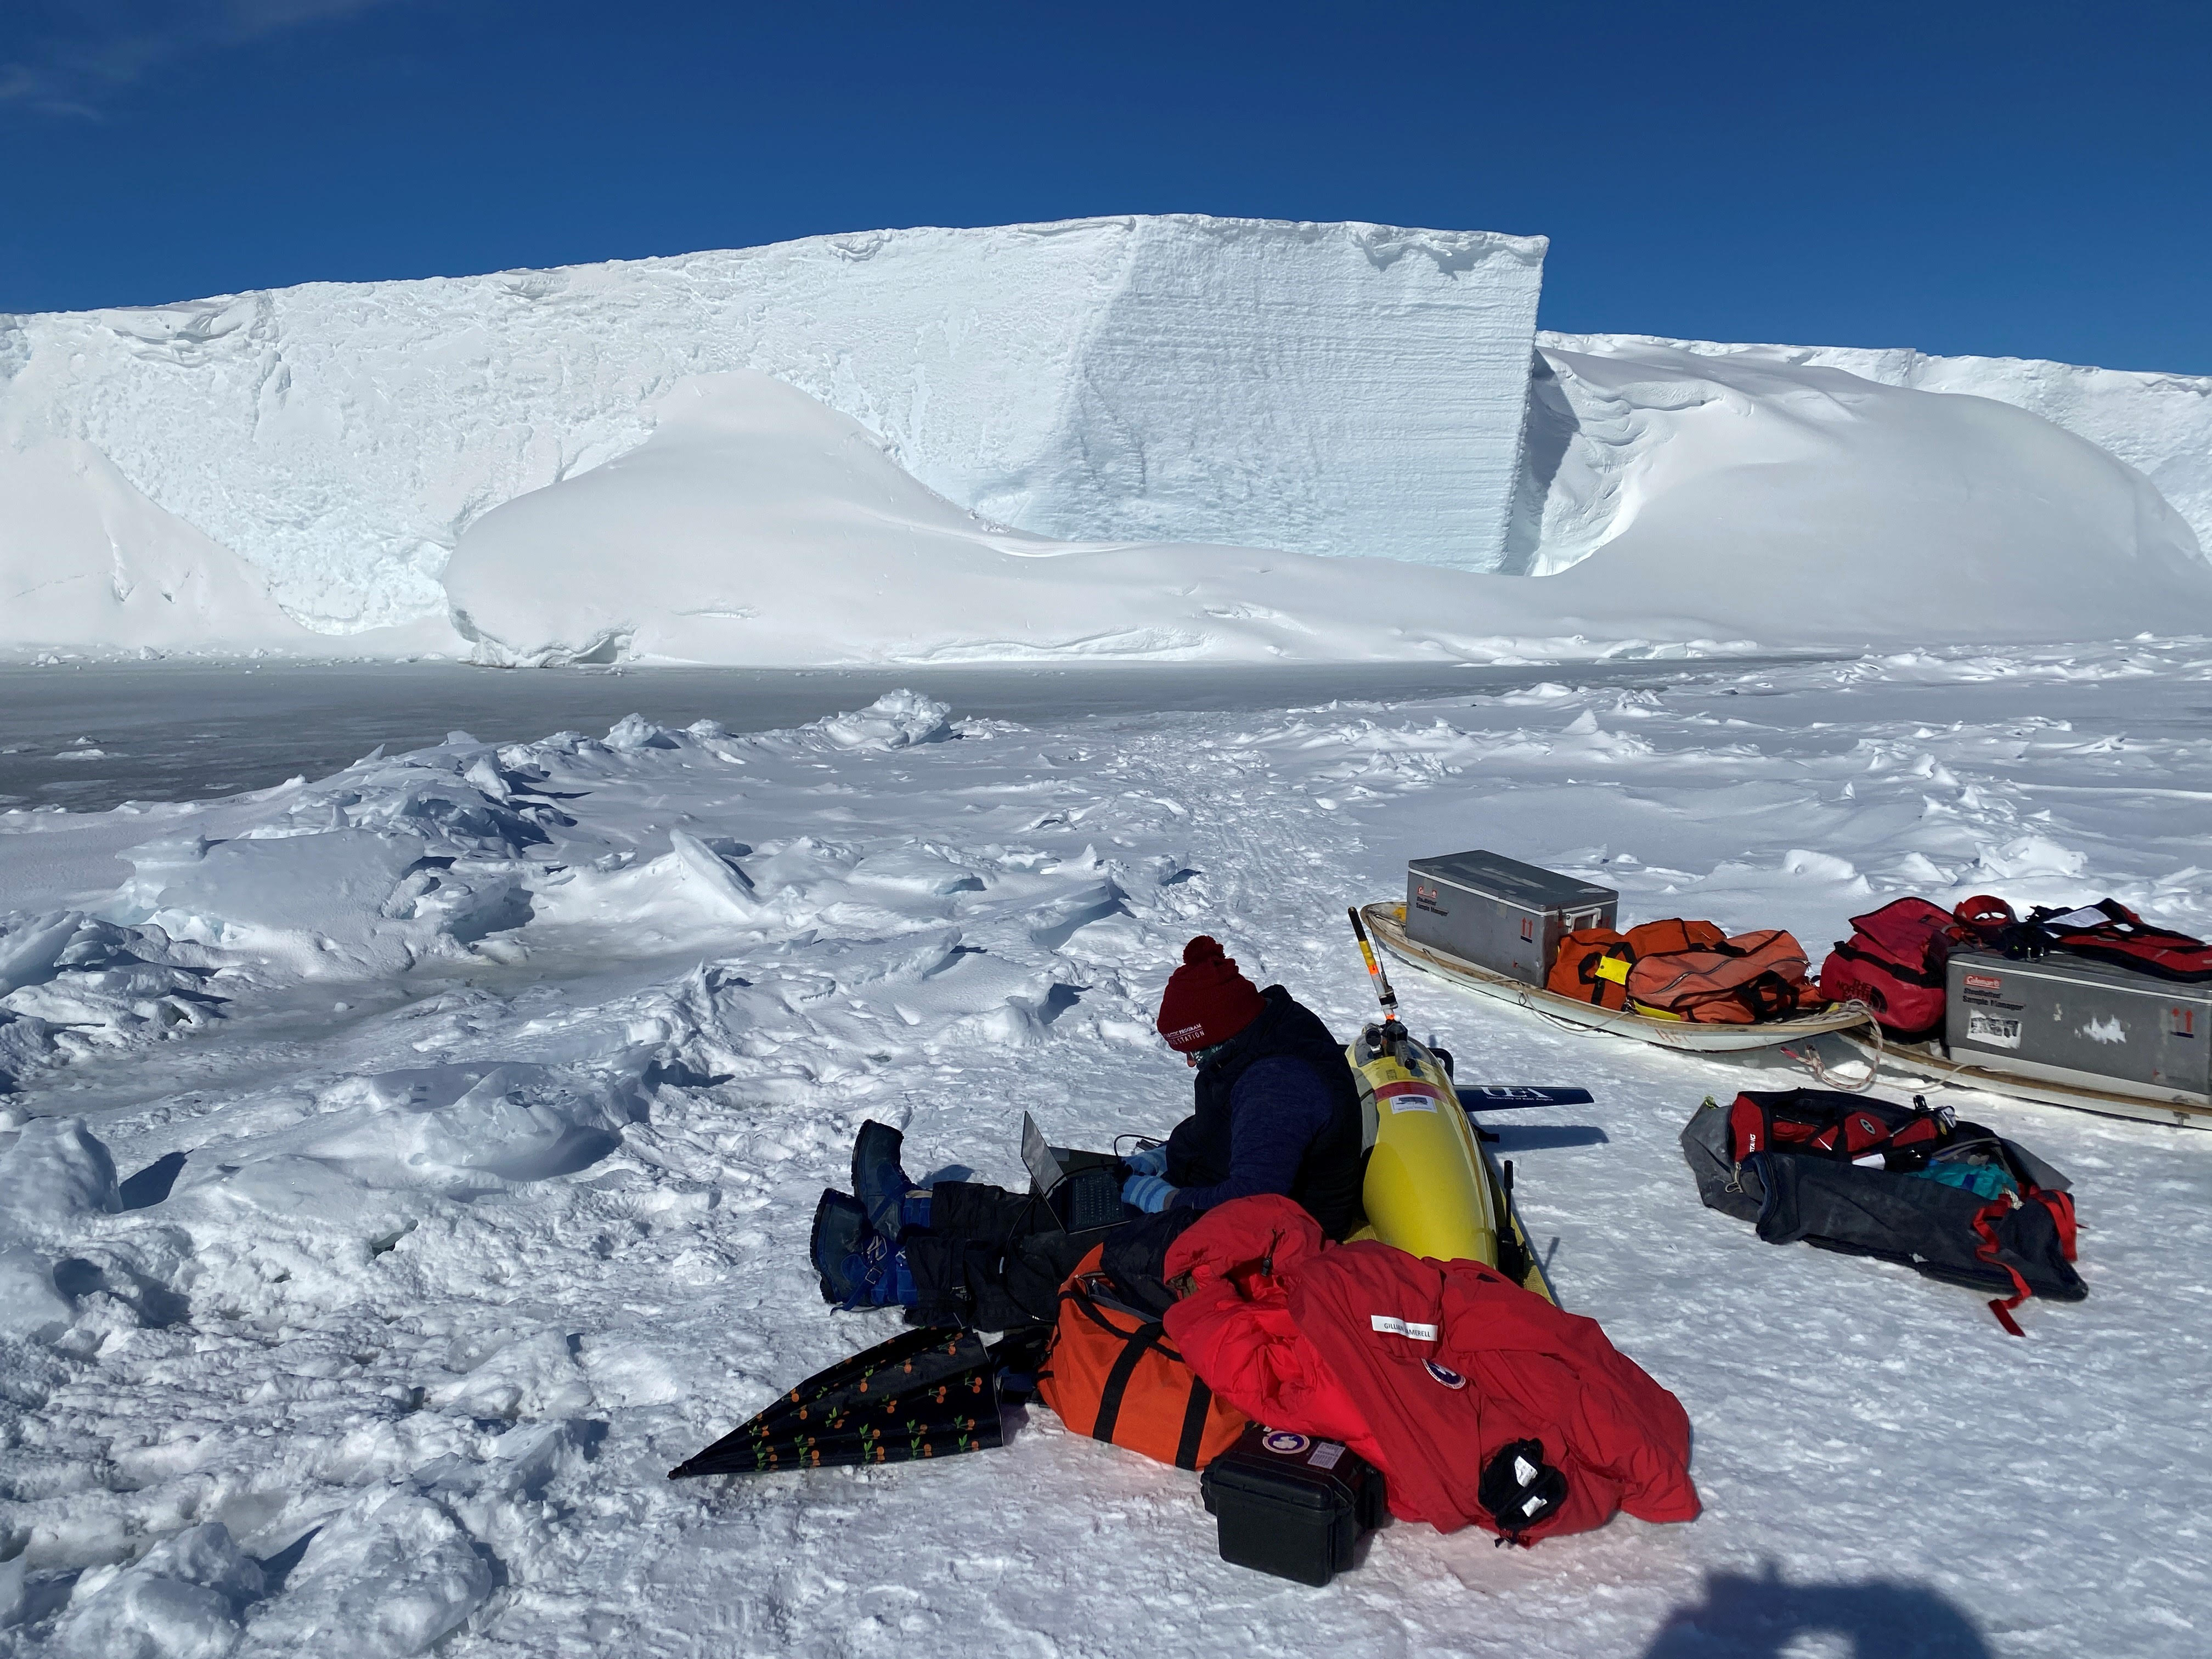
x: 841, y: 1233
x: 879, y: 1181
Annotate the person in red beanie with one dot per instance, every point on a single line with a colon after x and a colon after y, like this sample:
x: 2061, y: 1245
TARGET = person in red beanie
x: 1277, y: 1110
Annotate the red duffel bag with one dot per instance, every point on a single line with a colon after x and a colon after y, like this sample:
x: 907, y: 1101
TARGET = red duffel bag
x: 1893, y: 962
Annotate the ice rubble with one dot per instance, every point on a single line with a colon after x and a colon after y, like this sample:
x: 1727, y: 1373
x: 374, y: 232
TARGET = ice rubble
x: 302, y: 1188
x: 1334, y: 388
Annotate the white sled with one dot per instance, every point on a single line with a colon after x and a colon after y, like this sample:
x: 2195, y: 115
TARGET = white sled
x: 1901, y: 1065
x: 1387, y: 923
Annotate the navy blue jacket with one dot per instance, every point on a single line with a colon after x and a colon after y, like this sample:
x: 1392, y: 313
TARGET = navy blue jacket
x: 1278, y: 1111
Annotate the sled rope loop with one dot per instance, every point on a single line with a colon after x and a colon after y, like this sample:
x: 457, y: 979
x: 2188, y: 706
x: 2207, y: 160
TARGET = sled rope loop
x: 1812, y: 1062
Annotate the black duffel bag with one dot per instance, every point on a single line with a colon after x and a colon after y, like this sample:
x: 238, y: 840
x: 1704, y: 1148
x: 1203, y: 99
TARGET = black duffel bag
x: 1953, y: 1201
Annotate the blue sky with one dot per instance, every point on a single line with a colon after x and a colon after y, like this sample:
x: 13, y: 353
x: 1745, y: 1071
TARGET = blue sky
x: 2029, y: 179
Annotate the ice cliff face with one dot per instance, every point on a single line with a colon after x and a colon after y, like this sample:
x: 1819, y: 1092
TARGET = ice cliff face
x: 946, y: 428
x: 1338, y: 388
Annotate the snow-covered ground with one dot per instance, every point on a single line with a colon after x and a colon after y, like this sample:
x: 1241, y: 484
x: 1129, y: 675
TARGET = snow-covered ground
x: 405, y: 1168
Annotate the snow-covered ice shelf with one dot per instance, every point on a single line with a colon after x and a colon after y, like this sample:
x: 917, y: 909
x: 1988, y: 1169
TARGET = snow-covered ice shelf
x: 1337, y: 388
x: 1161, y: 439
x: 405, y: 1168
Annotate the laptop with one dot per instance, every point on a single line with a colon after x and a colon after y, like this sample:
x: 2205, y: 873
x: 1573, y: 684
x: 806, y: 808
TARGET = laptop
x: 1082, y: 1189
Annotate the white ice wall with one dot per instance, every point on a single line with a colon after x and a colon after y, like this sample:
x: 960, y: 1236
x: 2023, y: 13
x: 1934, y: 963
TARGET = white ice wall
x: 1338, y: 388
x: 2159, y: 424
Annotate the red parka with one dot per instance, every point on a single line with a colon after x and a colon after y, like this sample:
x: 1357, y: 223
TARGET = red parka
x: 1426, y: 1369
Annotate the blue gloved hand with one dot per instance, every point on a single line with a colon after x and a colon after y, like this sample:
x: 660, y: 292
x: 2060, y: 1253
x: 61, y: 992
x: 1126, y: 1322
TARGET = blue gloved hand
x: 1149, y: 1160
x: 1148, y: 1193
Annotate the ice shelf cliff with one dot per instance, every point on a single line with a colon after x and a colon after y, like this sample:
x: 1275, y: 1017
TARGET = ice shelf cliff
x: 1175, y: 438
x: 1324, y: 388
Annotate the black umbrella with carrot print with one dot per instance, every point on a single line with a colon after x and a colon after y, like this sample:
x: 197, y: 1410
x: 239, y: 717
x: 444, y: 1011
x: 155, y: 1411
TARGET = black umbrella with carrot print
x: 924, y: 1394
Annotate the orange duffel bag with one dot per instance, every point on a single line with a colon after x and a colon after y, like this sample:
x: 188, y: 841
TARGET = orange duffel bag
x: 1592, y: 967
x: 1653, y: 938
x: 1593, y: 962
x: 1108, y: 1374
x: 1741, y: 980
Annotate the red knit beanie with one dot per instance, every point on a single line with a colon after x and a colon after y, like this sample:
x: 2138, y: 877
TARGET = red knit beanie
x: 1207, y: 1001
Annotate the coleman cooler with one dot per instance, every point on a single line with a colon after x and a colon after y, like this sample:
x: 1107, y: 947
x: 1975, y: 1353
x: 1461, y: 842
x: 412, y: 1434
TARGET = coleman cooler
x: 1291, y: 1505
x: 1499, y: 913
x: 2069, y: 1019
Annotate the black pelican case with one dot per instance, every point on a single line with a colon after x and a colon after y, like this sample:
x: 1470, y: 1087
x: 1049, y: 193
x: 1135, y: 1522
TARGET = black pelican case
x: 1291, y: 1505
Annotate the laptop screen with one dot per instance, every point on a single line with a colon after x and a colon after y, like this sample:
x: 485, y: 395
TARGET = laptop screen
x: 1044, y: 1168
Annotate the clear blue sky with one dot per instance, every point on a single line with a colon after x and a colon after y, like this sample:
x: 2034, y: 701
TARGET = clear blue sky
x: 2031, y: 180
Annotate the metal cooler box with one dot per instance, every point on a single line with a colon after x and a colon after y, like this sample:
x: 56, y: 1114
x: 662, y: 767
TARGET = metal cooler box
x: 2069, y: 1019
x: 1500, y: 913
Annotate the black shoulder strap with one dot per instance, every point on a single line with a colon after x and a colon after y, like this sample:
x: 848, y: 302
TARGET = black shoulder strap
x: 1927, y: 979
x: 1139, y: 1344
x: 1193, y: 1423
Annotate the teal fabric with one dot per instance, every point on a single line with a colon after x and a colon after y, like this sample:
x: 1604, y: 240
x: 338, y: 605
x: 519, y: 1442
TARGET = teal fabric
x: 1984, y: 1180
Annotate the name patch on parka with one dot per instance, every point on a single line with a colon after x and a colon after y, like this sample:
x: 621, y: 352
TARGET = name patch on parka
x: 1394, y: 1326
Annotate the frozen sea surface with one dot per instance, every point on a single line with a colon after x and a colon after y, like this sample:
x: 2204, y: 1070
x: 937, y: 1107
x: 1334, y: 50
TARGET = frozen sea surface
x: 405, y: 1169
x: 90, y: 737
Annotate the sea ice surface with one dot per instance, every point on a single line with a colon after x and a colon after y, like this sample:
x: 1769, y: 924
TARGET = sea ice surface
x: 363, y: 1304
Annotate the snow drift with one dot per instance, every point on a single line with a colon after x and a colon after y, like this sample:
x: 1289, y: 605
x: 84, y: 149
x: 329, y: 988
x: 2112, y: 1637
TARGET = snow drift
x: 758, y: 526
x: 1776, y: 505
x: 1340, y: 388
x: 2159, y: 424
x: 86, y: 560
x: 1805, y: 505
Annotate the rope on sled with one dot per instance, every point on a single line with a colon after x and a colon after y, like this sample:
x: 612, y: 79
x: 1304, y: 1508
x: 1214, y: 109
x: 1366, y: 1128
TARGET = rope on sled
x: 1812, y: 1062
x: 1565, y: 1024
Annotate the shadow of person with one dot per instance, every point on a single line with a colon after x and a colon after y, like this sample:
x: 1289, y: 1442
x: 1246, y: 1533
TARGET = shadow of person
x: 1746, y: 1618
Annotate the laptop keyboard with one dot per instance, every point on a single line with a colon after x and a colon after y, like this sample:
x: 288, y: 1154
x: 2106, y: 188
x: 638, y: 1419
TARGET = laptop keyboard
x: 1094, y: 1200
